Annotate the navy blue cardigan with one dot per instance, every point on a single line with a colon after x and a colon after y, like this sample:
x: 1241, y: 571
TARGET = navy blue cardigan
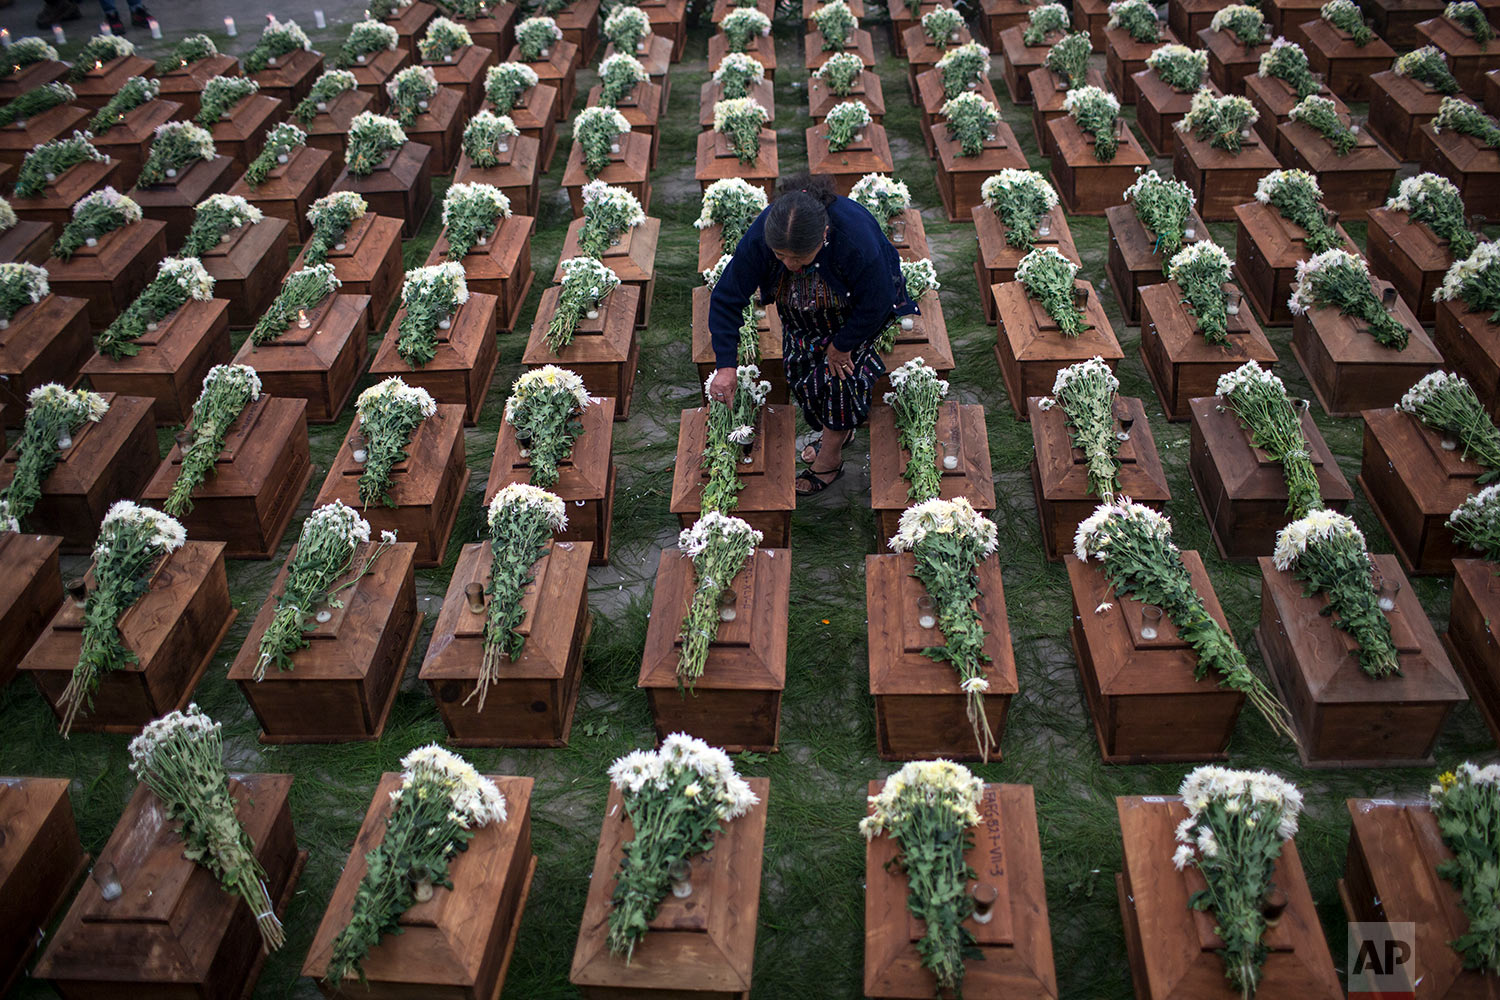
x: 858, y: 263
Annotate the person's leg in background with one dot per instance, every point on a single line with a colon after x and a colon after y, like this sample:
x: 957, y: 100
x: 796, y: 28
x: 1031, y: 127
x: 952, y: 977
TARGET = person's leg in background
x: 112, y: 16
x: 56, y: 12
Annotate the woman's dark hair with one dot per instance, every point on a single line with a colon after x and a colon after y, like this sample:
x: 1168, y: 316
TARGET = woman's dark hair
x: 798, y: 216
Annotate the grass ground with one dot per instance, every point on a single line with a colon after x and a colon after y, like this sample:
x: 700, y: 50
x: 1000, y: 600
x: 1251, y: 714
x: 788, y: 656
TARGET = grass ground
x: 811, y: 919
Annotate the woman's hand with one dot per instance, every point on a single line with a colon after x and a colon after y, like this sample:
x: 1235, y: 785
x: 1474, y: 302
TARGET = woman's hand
x: 840, y: 364
x: 723, y: 385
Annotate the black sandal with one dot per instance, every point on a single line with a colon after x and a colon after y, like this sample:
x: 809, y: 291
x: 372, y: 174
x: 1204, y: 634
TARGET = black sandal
x: 817, y: 446
x: 816, y: 482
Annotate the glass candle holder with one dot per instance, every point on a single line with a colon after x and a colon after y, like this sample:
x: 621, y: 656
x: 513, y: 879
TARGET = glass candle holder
x: 926, y: 611
x: 681, y: 874
x: 107, y: 877
x: 78, y: 589
x: 1150, y: 621
x: 1232, y: 297
x: 359, y: 448
x: 1388, y: 296
x: 323, y: 617
x: 474, y: 595
x: 985, y: 897
x: 727, y: 610
x: 1385, y: 592
x: 1044, y: 227
x: 898, y: 228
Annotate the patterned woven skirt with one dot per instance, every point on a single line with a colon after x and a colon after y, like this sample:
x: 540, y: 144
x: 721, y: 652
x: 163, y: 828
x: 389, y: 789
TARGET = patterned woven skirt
x: 810, y: 314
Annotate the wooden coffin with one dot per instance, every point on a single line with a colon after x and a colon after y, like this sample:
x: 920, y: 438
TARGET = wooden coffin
x: 1048, y: 92
x: 605, y: 350
x: 249, y: 497
x: 1124, y: 57
x: 1492, y: 91
x: 632, y: 256
x: 716, y: 160
x: 368, y: 262
x: 55, y: 204
x: 1059, y: 472
x: 723, y: 8
x: 1396, y: 20
x: 1390, y: 876
x: 1468, y: 60
x: 1273, y: 99
x: 1410, y: 256
x: 960, y: 177
x: 462, y: 71
x: 1288, y: 17
x: 105, y: 80
x: 1031, y: 349
x: 859, y: 43
x: 925, y: 338
x: 655, y: 54
x: 38, y: 74
x: 329, y: 129
x: 1243, y: 492
x: 112, y: 273
x: 702, y: 946
x: 440, y: 126
x: 172, y: 362
x: 906, y: 14
x: 669, y: 21
x: 736, y: 703
x: 400, y: 188
x: 1414, y: 477
x: 129, y: 139
x: 185, y: 84
x: 585, y: 478
x: 763, y: 51
x: 1348, y: 369
x: 579, y: 22
x: 557, y: 68
x: 769, y: 475
x: 341, y: 687
x: 1346, y: 66
x: 173, y: 629
x: 1092, y: 16
x: 1470, y: 345
x: 997, y: 260
x: 410, y: 23
x: 460, y: 942
x: 496, y: 32
x: 997, y: 15
x: 768, y: 329
x: 920, y: 711
x: 41, y: 861
x: 1473, y: 168
x: 931, y: 97
x: 1134, y: 261
x: 1342, y: 716
x: 241, y: 133
x: 1229, y: 60
x: 18, y: 138
x: 1014, y: 945
x: 1181, y: 364
x: 1353, y: 183
x: 374, y: 71
x: 531, y: 703
x: 106, y: 461
x: 1146, y: 702
x: 1019, y: 59
x: 174, y: 931
x: 642, y: 109
x: 30, y: 593
x: 1173, y: 948
x: 1399, y: 107
x: 499, y: 266
x: 857, y: 8
x: 289, y: 78
x: 1470, y: 640
x: 426, y: 487
x: 870, y: 152
x: 1086, y: 186
x: 820, y: 98
x: 517, y: 175
x: 46, y: 341
x: 1267, y: 250
x: 1220, y: 180
x: 27, y: 242
x: 291, y: 188
x: 248, y: 268
x: 765, y: 95
x: 1158, y: 108
x: 175, y: 199
x: 464, y: 365
x: 319, y: 364
x: 960, y: 435
x: 628, y: 168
